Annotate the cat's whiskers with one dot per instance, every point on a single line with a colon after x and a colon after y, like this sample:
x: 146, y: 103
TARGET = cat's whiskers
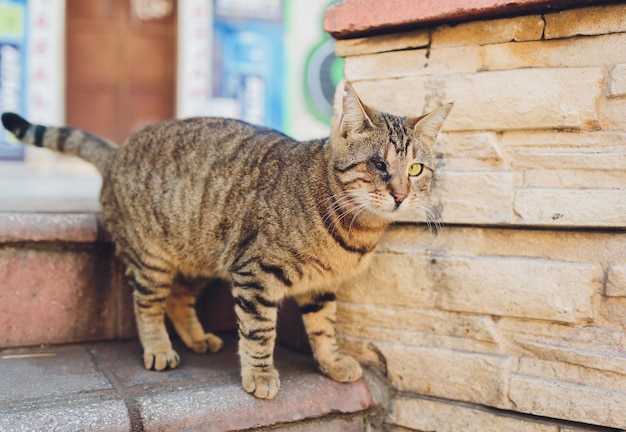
x: 427, y: 208
x: 339, y: 202
x: 348, y: 207
x: 349, y: 203
x: 364, y: 208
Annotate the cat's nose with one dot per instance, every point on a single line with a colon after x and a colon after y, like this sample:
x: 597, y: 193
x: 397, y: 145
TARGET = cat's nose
x: 398, y: 197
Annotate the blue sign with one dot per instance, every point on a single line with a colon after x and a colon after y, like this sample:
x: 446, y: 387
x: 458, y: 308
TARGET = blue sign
x: 12, y: 70
x: 248, y: 62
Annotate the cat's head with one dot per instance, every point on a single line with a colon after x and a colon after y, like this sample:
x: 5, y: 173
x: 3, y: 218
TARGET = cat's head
x: 383, y: 164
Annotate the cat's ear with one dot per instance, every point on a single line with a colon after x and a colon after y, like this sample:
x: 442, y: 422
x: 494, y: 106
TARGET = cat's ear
x: 356, y: 115
x: 429, y: 125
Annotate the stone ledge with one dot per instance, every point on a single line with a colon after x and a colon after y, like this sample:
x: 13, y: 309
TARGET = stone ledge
x: 104, y: 386
x: 355, y: 18
x: 17, y: 227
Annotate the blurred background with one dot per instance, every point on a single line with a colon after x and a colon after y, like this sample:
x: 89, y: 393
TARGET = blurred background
x: 115, y: 66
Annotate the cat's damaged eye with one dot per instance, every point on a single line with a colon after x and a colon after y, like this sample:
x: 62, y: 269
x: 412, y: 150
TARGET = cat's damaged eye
x: 416, y: 169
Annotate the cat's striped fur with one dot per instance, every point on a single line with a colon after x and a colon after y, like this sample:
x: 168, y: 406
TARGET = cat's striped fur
x: 188, y: 200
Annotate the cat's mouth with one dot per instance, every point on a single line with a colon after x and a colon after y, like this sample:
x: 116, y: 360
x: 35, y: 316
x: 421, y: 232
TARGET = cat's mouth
x: 389, y: 207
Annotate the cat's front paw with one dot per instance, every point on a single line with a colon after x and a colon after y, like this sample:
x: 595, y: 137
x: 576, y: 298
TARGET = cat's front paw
x: 263, y: 385
x: 161, y: 360
x: 345, y: 370
x: 210, y: 343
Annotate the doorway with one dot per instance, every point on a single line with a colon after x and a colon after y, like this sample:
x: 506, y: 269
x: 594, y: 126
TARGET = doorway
x: 120, y: 65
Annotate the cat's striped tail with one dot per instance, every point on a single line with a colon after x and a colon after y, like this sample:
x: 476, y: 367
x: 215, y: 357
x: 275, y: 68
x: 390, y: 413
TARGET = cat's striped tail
x: 69, y: 140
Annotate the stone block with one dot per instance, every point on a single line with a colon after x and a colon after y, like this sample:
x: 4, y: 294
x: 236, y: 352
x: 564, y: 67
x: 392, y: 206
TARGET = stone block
x: 373, y: 335
x: 479, y: 145
x: 614, y: 114
x: 568, y: 160
x: 563, y: 371
x: 474, y: 197
x: 327, y: 424
x: 411, y: 319
x: 562, y: 400
x: 571, y: 207
x: 415, y: 327
x: 442, y: 416
x: 56, y: 296
x: 591, y: 355
x: 617, y: 82
x: 579, y: 159
x: 419, y: 62
x: 574, y: 179
x: 453, y: 60
x: 576, y: 428
x: 601, y: 248
x: 596, y: 141
x: 535, y: 98
x: 615, y: 285
x: 403, y: 279
x: 587, y: 21
x: 445, y: 373
x: 598, y: 151
x: 384, y: 43
x: 602, y: 50
x: 419, y: 240
x: 612, y: 310
x: 518, y: 287
x: 387, y: 64
x: 483, y: 32
x: 574, y: 246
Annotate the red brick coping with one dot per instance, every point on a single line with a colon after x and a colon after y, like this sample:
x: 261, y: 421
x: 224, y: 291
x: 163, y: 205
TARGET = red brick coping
x: 356, y: 18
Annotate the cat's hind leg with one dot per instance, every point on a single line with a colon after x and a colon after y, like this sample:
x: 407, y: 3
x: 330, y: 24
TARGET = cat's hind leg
x: 319, y: 315
x: 182, y: 313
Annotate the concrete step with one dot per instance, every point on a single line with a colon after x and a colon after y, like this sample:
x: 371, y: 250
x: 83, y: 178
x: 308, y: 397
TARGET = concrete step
x: 61, y: 283
x: 104, y: 387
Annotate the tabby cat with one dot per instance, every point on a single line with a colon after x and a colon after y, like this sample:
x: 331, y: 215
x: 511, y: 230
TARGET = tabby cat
x: 188, y: 200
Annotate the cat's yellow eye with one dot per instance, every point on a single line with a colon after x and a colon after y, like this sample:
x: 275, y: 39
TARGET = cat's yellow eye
x: 416, y: 169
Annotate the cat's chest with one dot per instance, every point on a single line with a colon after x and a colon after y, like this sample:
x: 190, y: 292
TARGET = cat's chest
x: 337, y: 268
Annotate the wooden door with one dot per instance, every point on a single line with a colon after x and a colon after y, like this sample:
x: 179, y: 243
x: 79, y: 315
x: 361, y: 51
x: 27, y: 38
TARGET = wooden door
x: 120, y: 68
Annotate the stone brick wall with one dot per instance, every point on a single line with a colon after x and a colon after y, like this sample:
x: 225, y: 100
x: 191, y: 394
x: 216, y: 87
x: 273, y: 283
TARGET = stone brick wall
x: 513, y: 316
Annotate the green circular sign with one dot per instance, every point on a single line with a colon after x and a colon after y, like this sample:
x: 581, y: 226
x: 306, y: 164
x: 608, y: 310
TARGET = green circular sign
x: 323, y: 72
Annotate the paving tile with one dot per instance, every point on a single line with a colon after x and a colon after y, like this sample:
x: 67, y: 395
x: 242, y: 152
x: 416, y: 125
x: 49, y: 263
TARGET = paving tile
x: 57, y: 389
x: 124, y: 360
x: 48, y: 374
x: 93, y: 415
x: 104, y: 386
x: 302, y: 396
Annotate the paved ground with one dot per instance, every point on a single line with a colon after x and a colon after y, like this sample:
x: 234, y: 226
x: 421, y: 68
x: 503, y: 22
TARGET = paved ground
x: 104, y: 387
